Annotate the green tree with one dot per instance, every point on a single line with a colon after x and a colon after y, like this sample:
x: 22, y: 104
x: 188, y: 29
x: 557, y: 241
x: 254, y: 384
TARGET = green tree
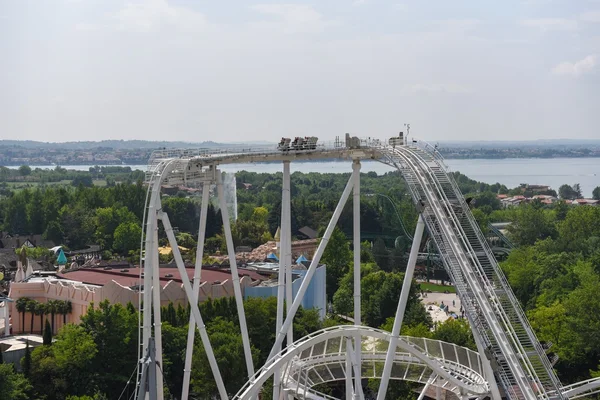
x: 381, y: 254
x: 252, y: 232
x: 40, y: 310
x: 54, y: 232
x: 596, y: 193
x: 24, y: 170
x: 73, y: 352
x: 107, y: 219
x: 65, y: 307
x: 21, y: 306
x: 114, y: 331
x: 567, y: 192
x: 186, y: 240
x: 13, y: 386
x: 455, y: 331
x: 30, y: 307
x: 47, y: 335
x: 35, y: 212
x: 531, y: 223
x: 26, y: 360
x: 337, y: 257
x: 127, y: 237
x: 380, y: 294
x: 76, y: 225
x: 52, y: 307
x: 226, y: 341
x: 83, y: 180
x: 580, y: 224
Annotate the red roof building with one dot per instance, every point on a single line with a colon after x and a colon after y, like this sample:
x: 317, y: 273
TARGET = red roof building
x: 130, y: 277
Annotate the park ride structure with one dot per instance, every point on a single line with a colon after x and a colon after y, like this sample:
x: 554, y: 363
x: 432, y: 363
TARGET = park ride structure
x: 509, y: 362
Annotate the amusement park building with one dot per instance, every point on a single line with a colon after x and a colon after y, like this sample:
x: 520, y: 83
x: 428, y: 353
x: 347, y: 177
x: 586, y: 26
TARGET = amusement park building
x: 93, y: 285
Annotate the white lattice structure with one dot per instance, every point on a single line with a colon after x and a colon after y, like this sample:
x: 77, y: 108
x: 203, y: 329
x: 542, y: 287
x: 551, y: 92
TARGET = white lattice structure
x: 510, y: 361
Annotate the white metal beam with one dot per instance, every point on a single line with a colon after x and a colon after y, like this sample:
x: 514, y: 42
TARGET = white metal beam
x: 408, y: 275
x: 348, y: 370
x: 235, y: 277
x: 156, y: 307
x: 356, y: 238
x: 195, y: 310
x: 281, y: 273
x: 189, y: 351
x: 286, y: 244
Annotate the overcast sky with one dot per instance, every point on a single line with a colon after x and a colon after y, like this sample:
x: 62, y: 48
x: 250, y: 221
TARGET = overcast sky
x: 198, y: 70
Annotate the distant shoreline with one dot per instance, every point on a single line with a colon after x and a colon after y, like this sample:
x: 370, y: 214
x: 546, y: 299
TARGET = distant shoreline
x: 525, y: 157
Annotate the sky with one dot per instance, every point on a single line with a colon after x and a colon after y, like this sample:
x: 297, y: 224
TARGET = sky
x: 236, y: 70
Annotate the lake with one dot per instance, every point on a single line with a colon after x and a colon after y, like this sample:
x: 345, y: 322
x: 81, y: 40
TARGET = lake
x: 509, y: 171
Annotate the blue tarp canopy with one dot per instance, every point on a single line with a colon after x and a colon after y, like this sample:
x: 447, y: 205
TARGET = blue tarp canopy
x: 301, y: 259
x: 272, y: 256
x: 61, y: 259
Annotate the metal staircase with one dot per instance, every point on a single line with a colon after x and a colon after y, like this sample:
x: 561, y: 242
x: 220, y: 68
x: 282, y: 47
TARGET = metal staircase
x: 499, y: 324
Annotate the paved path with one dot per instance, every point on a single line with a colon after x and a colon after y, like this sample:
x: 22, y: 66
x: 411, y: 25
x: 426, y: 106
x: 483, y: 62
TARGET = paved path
x: 434, y: 301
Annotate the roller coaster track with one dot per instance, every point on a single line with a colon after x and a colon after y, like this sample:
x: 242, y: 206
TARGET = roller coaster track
x: 320, y: 357
x: 501, y: 330
x: 521, y: 365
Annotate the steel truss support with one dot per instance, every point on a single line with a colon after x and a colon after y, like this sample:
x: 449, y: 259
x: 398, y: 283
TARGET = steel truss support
x: 408, y: 275
x: 195, y: 310
x: 311, y: 270
x: 187, y: 369
x: 235, y: 277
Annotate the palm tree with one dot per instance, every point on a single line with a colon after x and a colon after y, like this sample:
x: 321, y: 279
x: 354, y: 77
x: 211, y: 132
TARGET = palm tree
x: 40, y: 310
x: 21, y: 306
x: 52, y: 308
x: 66, y: 308
x: 30, y: 307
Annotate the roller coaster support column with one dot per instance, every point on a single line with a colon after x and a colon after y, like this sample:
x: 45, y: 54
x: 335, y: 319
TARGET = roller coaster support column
x: 187, y: 369
x: 282, y: 273
x: 311, y: 270
x: 286, y: 245
x: 431, y: 379
x: 356, y: 237
x: 156, y: 288
x: 150, y: 302
x: 235, y: 276
x: 408, y: 275
x: 194, y: 309
x: 349, y: 391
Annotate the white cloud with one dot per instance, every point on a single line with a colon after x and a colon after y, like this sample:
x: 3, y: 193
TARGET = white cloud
x: 576, y: 68
x: 440, y: 88
x: 295, y: 18
x: 551, y: 24
x: 149, y: 15
x: 590, y: 16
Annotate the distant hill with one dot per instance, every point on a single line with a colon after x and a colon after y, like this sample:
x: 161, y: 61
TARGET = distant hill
x: 541, y: 143
x: 117, y: 144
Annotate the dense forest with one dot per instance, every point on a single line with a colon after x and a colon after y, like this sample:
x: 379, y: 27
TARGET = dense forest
x: 554, y: 271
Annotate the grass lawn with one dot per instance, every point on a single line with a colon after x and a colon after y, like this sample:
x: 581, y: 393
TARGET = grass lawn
x: 432, y: 287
